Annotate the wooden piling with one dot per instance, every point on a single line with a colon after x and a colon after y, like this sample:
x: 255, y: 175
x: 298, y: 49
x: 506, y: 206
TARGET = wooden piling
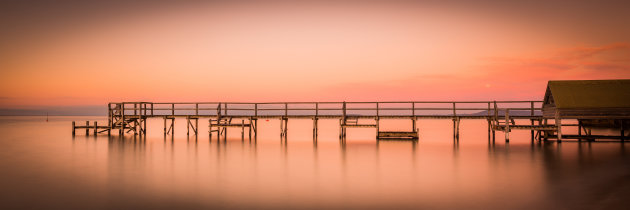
x: 580, y: 130
x: 559, y: 126
x: 507, y: 125
x: 532, y: 120
x: 95, y: 127
x: 623, y: 131
x: 73, y: 128
x: 87, y: 128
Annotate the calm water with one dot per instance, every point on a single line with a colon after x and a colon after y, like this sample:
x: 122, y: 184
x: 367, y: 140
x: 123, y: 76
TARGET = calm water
x: 43, y: 166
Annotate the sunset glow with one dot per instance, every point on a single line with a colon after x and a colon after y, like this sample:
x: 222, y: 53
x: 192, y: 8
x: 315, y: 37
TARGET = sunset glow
x: 274, y: 51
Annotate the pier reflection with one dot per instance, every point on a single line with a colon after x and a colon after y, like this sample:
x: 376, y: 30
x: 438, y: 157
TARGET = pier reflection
x: 431, y: 172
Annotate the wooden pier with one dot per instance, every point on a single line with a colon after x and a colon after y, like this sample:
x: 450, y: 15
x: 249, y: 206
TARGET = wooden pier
x: 504, y: 116
x: 589, y: 102
x: 130, y: 117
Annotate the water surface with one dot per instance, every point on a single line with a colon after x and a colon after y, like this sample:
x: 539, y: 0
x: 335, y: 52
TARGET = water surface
x: 43, y: 166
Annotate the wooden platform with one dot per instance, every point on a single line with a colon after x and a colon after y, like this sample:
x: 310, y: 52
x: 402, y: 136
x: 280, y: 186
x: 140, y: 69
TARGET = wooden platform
x: 397, y: 135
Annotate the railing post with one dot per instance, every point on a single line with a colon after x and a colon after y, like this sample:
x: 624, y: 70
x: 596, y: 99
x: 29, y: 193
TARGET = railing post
x: 316, y: 109
x: 173, y: 109
x: 196, y: 108
x: 286, y: 109
x: 256, y: 110
x: 218, y: 112
x: 109, y: 115
x: 413, y: 109
x: 488, y: 113
x: 454, y: 110
x: 377, y: 112
x: 496, y: 111
x: 122, y: 111
x: 344, y: 112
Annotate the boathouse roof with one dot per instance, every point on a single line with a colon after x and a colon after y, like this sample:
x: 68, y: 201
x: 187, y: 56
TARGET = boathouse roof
x: 588, y: 94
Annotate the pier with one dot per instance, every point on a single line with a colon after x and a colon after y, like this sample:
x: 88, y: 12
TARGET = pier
x: 130, y: 117
x: 590, y: 103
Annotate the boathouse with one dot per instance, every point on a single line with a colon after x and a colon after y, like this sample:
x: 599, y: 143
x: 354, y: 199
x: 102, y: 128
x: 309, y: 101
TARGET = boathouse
x: 601, y: 103
x: 587, y: 99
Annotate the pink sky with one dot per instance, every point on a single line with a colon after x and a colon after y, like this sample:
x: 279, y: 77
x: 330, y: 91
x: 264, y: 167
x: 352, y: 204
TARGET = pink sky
x: 280, y: 51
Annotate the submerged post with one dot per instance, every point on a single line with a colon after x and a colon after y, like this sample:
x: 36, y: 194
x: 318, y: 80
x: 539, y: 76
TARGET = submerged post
x: 73, y: 128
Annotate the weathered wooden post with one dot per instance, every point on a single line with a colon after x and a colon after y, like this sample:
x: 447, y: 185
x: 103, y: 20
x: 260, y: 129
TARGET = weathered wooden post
x: 87, y: 128
x: 413, y: 117
x: 95, y: 127
x: 242, y: 130
x: 281, y: 127
x: 377, y: 120
x: 532, y: 120
x: 250, y: 129
x: 455, y: 123
x: 73, y: 128
x: 489, y: 123
x: 623, y: 131
x: 507, y: 125
x: 579, y: 130
x: 559, y: 126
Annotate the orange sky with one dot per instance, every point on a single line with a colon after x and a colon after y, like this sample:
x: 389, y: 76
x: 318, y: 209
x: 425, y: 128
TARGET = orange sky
x: 92, y: 53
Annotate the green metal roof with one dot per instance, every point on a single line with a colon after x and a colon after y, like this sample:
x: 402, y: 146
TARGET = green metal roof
x: 589, y: 93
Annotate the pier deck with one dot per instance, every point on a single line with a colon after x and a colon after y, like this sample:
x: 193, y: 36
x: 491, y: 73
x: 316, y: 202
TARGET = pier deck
x: 129, y: 117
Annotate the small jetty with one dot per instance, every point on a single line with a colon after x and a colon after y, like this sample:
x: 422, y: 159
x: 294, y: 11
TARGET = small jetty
x: 591, y: 103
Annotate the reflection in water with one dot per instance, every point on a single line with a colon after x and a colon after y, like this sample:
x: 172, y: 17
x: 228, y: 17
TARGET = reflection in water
x: 165, y: 172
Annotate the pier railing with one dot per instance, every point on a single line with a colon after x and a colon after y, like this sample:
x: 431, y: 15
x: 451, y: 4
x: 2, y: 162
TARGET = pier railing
x: 435, y: 109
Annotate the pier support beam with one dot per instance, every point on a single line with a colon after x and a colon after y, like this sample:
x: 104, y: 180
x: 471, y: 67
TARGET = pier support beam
x: 456, y: 128
x: 559, y: 126
x: 315, y: 129
x: 170, y: 128
x: 507, y: 125
x: 283, y: 127
x: 489, y: 130
x: 189, y: 125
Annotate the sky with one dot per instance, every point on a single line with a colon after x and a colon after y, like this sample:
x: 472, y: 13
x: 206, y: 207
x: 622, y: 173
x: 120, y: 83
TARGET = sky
x: 89, y: 53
